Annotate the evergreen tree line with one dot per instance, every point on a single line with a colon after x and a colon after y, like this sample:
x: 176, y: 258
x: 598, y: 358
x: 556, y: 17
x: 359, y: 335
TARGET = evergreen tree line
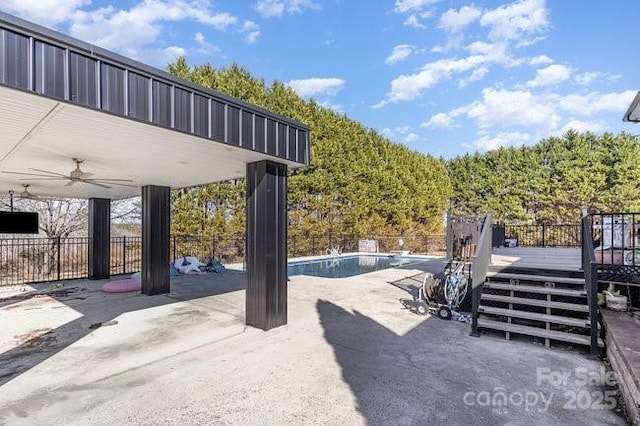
x: 362, y: 184
x: 551, y: 181
x: 359, y: 182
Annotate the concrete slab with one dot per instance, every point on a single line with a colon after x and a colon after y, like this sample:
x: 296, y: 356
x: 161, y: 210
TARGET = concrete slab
x: 349, y: 355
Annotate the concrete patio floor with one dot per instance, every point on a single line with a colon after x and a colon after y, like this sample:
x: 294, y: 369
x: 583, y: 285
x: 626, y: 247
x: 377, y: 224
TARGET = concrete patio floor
x: 349, y: 355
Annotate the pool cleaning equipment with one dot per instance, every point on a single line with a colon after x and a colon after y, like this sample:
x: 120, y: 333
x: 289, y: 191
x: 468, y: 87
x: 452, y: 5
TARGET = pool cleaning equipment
x: 441, y: 295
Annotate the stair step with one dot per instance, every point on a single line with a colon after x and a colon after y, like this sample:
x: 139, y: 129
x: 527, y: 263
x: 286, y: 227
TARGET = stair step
x: 536, y: 278
x: 535, y: 302
x: 514, y: 313
x: 536, y: 289
x: 538, y: 332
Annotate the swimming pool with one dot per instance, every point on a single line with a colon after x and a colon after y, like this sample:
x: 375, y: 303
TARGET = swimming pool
x: 348, y: 266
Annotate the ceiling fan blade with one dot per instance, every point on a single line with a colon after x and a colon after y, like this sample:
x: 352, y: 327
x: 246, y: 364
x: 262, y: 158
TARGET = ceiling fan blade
x: 90, y: 182
x: 51, y: 173
x: 45, y: 178
x: 71, y: 182
x: 119, y: 184
x: 26, y: 174
x: 86, y: 175
x: 110, y: 180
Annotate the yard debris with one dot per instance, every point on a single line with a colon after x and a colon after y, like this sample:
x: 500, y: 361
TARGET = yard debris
x: 55, y: 292
x: 102, y: 324
x: 37, y: 338
x: 466, y: 318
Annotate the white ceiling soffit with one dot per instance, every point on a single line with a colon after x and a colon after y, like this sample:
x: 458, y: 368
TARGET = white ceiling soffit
x: 41, y: 133
x: 633, y: 113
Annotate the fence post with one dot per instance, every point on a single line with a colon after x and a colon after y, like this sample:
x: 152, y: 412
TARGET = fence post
x: 174, y: 247
x: 543, y: 228
x: 426, y: 244
x: 58, y: 256
x: 124, y: 254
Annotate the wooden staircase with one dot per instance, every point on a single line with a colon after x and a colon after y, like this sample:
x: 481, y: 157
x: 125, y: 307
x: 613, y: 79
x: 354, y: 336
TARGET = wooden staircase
x: 549, y: 305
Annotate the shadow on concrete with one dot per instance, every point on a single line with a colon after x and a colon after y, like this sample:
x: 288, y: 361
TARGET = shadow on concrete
x: 394, y: 378
x: 434, y: 373
x: 412, y: 283
x: 98, y: 309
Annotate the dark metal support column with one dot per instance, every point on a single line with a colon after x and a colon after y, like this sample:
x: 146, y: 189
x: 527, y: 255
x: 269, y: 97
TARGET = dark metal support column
x: 266, y: 297
x: 99, y: 238
x: 155, y: 239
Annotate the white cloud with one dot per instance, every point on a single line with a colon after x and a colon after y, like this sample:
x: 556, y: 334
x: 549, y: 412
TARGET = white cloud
x: 251, y: 30
x: 584, y: 126
x: 412, y: 21
x: 477, y: 75
x: 540, y: 60
x: 491, y: 142
x: 411, y: 137
x: 454, y: 41
x: 409, y: 86
x: 269, y: 8
x: 204, y: 47
x: 44, y: 12
x: 454, y: 21
x: 160, y: 57
x: 403, y: 6
x: 298, y: 5
x: 500, y: 110
x: 400, y: 53
x: 586, y: 77
x: 128, y: 31
x: 519, y: 108
x: 517, y: 20
x: 387, y: 133
x: 404, y: 134
x: 330, y: 105
x: 594, y: 103
x: 277, y: 8
x: 317, y: 86
x: 553, y: 74
x: 439, y: 120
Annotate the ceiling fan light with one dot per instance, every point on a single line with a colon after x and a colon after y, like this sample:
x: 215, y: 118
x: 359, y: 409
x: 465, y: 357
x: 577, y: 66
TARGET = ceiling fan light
x: 26, y: 193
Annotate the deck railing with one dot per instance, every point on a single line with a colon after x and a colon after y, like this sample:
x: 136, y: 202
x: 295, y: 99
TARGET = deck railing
x: 544, y: 235
x: 590, y: 269
x: 479, y: 267
x: 617, y: 242
x: 24, y: 260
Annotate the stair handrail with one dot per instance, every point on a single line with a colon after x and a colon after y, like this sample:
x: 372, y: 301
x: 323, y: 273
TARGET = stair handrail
x: 479, y: 267
x: 590, y: 269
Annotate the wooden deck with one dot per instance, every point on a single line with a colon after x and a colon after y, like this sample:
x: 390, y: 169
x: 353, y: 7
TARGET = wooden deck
x: 565, y: 259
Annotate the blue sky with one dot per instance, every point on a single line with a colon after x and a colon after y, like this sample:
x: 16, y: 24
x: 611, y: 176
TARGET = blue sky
x: 443, y: 77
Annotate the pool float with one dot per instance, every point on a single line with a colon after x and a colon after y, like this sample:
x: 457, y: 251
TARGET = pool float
x: 187, y: 264
x: 122, y: 286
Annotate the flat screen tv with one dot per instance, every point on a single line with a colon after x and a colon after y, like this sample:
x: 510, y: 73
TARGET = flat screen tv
x: 18, y: 223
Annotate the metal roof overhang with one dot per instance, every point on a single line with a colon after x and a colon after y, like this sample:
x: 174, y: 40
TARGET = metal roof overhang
x: 633, y: 113
x: 61, y: 98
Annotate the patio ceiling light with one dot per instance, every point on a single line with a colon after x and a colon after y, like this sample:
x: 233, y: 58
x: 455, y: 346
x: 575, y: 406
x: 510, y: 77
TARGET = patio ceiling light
x: 633, y: 113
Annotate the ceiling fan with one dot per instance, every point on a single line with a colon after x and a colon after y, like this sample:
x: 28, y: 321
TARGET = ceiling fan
x: 26, y: 194
x: 76, y: 175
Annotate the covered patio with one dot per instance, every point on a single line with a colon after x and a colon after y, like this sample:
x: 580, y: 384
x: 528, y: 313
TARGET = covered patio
x: 78, y: 121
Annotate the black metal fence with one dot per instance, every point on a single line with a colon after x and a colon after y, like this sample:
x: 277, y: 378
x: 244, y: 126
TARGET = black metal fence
x: 616, y: 246
x: 25, y: 260
x: 544, y: 235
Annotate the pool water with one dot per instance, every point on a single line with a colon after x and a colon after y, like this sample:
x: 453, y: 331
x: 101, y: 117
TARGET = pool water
x: 348, y: 266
